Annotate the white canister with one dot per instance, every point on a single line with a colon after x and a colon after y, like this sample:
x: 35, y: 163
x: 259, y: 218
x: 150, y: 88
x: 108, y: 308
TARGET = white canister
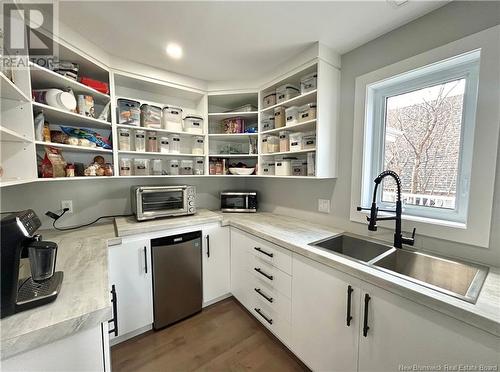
x: 56, y: 98
x: 198, y: 146
x: 283, y: 166
x: 296, y: 141
x: 172, y: 118
x: 156, y: 167
x: 141, y: 167
x: 175, y: 144
x: 124, y: 139
x: 186, y: 168
x: 199, y: 166
x: 164, y: 144
x: 311, y: 168
x: 173, y: 167
x: 125, y: 167
x: 140, y: 140
x: 291, y: 115
x: 193, y: 124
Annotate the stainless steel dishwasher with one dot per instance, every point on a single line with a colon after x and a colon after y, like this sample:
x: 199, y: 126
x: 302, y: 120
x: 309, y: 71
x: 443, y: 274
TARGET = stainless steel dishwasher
x: 177, y: 277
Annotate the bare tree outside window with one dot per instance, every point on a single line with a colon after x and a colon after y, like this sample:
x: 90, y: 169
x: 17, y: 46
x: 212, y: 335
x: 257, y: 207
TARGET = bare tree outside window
x: 422, y: 144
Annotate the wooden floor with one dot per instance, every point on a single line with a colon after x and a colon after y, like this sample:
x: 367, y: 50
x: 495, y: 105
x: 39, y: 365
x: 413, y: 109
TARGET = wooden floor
x: 223, y: 337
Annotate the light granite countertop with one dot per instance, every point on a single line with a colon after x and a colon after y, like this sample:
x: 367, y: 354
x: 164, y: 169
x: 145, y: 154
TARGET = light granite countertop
x: 83, y: 302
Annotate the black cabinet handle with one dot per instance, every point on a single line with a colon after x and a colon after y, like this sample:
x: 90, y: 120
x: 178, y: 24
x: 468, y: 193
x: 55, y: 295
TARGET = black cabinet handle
x: 259, y: 249
x: 270, y: 321
x: 270, y: 277
x: 270, y: 299
x: 365, y: 321
x: 349, y: 295
x: 208, y: 245
x: 145, y: 260
x: 114, y: 320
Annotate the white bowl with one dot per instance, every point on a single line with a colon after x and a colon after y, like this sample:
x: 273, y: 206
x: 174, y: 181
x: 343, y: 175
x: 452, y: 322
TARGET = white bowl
x: 241, y: 171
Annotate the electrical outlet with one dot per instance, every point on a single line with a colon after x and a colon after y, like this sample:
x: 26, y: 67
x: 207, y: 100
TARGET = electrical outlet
x: 67, y: 204
x: 324, y: 205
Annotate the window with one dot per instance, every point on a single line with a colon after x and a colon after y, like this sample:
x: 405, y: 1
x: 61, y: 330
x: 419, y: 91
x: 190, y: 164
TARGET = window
x: 420, y: 124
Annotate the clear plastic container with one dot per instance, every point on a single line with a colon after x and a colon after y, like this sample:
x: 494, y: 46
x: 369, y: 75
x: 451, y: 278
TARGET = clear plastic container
x: 129, y: 112
x: 311, y: 167
x: 279, y: 117
x: 292, y: 115
x: 152, y: 142
x: 307, y: 112
x: 269, y: 99
x: 193, y: 124
x: 268, y: 168
x: 296, y: 141
x: 172, y: 118
x: 199, y: 166
x: 140, y: 140
x: 124, y: 139
x: 308, y: 82
x: 141, y: 167
x: 286, y: 92
x: 150, y: 116
x: 283, y: 166
x: 273, y: 144
x: 198, y: 146
x: 309, y: 141
x: 233, y: 125
x: 164, y: 145
x: 299, y: 167
x: 175, y: 144
x: 125, y: 167
x: 173, y: 167
x: 267, y: 124
x: 284, y: 141
x: 186, y: 168
x: 156, y: 167
x: 263, y: 146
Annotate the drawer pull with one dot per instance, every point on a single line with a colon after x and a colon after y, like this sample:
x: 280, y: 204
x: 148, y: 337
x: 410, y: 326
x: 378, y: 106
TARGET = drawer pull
x: 270, y: 321
x: 270, y: 277
x: 259, y: 249
x: 349, y: 316
x: 270, y: 299
x: 365, y: 321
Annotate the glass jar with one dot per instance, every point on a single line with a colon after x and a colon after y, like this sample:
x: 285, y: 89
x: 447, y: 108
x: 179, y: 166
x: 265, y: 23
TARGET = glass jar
x: 125, y: 167
x: 140, y: 140
x: 186, y: 168
x: 173, y: 167
x: 284, y: 141
x: 164, y: 145
x: 198, y: 146
x: 199, y: 166
x: 156, y: 167
x: 152, y: 142
x: 175, y: 144
x: 124, y: 139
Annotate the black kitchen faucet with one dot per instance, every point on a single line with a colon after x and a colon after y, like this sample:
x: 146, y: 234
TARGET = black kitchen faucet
x: 399, y: 239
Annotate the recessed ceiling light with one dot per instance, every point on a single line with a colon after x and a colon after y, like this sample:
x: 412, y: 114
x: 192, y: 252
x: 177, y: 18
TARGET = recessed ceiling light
x: 174, y: 50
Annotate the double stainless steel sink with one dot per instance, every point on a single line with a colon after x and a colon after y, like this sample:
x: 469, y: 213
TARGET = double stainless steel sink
x: 456, y: 278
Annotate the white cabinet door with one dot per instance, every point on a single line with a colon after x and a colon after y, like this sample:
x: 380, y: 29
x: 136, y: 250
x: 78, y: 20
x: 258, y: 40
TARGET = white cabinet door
x: 240, y: 257
x: 321, y: 337
x: 216, y: 262
x: 402, y: 333
x: 130, y: 273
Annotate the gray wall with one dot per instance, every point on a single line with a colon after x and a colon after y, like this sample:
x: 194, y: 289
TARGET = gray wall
x: 300, y: 197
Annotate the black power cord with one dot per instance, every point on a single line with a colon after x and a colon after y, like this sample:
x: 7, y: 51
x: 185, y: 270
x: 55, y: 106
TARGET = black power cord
x: 56, y: 217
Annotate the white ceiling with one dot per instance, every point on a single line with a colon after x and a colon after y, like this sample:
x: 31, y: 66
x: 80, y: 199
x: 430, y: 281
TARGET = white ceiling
x: 232, y: 40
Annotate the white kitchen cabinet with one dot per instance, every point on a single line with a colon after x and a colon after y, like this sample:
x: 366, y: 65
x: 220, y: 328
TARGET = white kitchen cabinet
x: 216, y: 261
x: 321, y: 335
x: 240, y: 283
x: 402, y: 333
x: 130, y: 273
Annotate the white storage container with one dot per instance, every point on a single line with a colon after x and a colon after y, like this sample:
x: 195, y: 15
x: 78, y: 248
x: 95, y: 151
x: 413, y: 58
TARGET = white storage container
x: 268, y: 123
x: 172, y: 118
x: 279, y: 117
x: 292, y: 115
x: 175, y: 144
x: 269, y: 99
x: 186, y: 168
x: 125, y: 167
x: 299, y: 167
x: 156, y: 167
x: 193, y: 124
x: 273, y: 144
x: 141, y: 167
x: 150, y: 116
x: 173, y: 167
x: 198, y: 146
x: 307, y: 112
x: 129, y: 112
x: 124, y: 139
x: 164, y: 144
x: 268, y: 168
x: 199, y: 166
x: 263, y: 146
x: 296, y: 141
x: 311, y: 167
x: 309, y: 141
x: 284, y: 141
x: 152, y: 142
x: 283, y: 166
x: 286, y: 92
x: 140, y: 140
x: 308, y: 82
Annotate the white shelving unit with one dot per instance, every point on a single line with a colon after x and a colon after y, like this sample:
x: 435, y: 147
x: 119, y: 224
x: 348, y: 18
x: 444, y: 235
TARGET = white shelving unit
x: 58, y: 116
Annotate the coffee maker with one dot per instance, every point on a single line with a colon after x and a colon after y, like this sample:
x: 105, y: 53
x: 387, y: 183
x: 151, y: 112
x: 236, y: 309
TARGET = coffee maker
x: 19, y: 290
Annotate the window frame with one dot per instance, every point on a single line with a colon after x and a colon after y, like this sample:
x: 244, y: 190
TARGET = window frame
x: 466, y: 67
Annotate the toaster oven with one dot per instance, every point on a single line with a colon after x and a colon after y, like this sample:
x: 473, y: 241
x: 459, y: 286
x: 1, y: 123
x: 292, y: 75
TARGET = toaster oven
x: 149, y: 202
x: 238, y: 201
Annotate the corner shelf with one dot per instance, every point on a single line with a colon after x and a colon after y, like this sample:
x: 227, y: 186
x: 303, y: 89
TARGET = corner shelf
x: 289, y: 152
x: 306, y: 126
x: 166, y: 154
x: 8, y: 135
x: 61, y: 117
x: 227, y: 115
x: 10, y: 91
x: 73, y: 147
x: 295, y: 101
x: 181, y: 133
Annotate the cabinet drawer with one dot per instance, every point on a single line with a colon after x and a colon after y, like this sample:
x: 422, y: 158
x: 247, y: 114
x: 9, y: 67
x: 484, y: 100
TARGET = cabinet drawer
x: 273, y: 300
x: 272, y: 254
x: 271, y: 277
x: 269, y: 318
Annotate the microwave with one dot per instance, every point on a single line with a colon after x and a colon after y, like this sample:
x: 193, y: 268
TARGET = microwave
x: 238, y: 201
x: 149, y: 202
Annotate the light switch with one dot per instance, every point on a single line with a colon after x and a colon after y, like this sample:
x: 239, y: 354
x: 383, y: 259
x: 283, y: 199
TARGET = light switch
x: 324, y: 205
